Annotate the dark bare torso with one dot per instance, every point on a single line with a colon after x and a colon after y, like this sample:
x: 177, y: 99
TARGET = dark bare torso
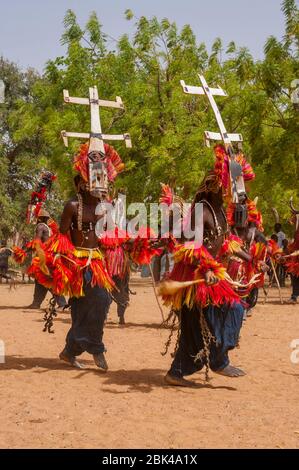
x: 86, y: 238
x: 214, y: 225
x: 213, y: 241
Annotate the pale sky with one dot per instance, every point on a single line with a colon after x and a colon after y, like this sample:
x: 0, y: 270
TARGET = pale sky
x: 30, y: 30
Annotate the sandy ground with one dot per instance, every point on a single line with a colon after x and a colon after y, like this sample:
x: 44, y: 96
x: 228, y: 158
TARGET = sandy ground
x: 46, y: 404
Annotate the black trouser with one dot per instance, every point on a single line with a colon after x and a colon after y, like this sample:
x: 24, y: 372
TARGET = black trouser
x: 281, y: 274
x: 252, y: 298
x: 224, y: 323
x: 40, y: 293
x: 156, y: 267
x: 3, y: 273
x: 88, y: 316
x: 121, y: 293
x: 295, y: 287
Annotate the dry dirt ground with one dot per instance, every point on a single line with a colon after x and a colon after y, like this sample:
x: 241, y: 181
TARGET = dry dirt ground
x: 47, y: 404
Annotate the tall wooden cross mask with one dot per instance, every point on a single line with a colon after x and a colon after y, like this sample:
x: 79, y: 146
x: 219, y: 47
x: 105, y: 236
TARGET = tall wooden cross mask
x: 237, y: 182
x: 95, y: 136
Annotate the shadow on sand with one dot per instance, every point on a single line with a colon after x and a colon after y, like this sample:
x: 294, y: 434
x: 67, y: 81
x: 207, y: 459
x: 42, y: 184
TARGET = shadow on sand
x: 142, y: 380
x: 66, y: 318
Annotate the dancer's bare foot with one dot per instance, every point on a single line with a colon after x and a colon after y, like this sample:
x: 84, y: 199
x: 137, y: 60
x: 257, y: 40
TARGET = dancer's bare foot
x: 179, y: 381
x: 66, y: 357
x: 100, y: 361
x: 230, y: 371
x: 249, y: 312
x: 291, y: 301
x: 33, y: 307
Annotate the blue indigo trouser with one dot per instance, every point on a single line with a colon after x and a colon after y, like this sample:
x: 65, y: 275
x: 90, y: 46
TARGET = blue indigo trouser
x: 224, y: 323
x: 88, y: 317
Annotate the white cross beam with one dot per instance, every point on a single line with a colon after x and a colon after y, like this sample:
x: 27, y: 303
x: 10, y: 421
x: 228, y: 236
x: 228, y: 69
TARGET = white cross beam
x: 210, y: 93
x: 96, y: 137
x: 237, y: 181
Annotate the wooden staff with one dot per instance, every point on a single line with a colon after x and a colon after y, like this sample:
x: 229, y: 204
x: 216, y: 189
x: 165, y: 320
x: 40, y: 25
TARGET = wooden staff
x: 276, y: 279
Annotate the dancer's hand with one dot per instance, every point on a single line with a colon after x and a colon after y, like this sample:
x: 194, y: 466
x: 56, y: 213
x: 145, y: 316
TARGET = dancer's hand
x: 210, y: 278
x: 264, y: 267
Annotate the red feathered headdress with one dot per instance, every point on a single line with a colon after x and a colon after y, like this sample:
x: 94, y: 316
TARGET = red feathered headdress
x: 114, y: 163
x: 39, y: 195
x: 166, y: 194
x: 221, y: 168
x: 253, y: 214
